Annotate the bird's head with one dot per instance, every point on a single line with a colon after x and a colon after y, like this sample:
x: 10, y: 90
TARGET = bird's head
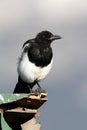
x: 46, y: 37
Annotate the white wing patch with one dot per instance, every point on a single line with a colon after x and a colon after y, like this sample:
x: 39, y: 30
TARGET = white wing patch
x: 26, y: 45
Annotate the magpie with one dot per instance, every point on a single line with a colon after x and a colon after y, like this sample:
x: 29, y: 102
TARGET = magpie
x: 35, y: 61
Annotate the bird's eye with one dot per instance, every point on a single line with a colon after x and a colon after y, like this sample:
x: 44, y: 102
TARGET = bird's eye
x: 46, y: 36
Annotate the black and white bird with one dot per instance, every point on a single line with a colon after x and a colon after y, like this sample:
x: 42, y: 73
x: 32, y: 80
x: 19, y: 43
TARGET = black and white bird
x: 35, y: 61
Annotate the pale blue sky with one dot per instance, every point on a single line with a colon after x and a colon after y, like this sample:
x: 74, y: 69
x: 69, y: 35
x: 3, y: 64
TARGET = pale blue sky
x: 66, y: 84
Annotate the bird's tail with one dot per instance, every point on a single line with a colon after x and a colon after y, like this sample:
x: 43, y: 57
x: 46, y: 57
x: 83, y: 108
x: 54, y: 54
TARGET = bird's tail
x: 22, y: 87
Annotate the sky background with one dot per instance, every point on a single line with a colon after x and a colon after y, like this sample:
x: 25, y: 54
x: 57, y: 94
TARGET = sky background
x: 66, y: 84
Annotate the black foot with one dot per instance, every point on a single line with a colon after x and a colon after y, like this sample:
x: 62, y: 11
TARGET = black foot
x: 39, y: 91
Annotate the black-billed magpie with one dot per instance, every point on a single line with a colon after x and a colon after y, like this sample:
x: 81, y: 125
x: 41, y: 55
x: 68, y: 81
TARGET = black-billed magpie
x: 35, y: 61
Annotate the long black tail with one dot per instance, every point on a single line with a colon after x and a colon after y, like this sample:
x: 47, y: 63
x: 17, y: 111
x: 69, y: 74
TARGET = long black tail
x: 22, y: 87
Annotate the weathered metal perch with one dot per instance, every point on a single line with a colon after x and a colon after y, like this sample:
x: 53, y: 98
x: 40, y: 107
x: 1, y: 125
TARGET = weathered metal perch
x: 20, y: 113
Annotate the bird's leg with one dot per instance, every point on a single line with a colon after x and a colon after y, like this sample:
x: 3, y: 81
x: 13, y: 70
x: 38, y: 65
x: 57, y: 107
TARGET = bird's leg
x: 30, y: 89
x: 38, y: 85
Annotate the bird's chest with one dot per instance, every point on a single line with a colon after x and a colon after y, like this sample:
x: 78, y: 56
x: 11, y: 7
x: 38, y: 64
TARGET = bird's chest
x: 40, y: 56
x: 29, y: 72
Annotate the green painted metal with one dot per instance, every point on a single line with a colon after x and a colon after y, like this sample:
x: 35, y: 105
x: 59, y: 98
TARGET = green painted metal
x: 5, y: 98
x: 4, y: 125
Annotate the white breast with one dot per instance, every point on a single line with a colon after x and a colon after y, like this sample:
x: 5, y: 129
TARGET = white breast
x: 29, y: 72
